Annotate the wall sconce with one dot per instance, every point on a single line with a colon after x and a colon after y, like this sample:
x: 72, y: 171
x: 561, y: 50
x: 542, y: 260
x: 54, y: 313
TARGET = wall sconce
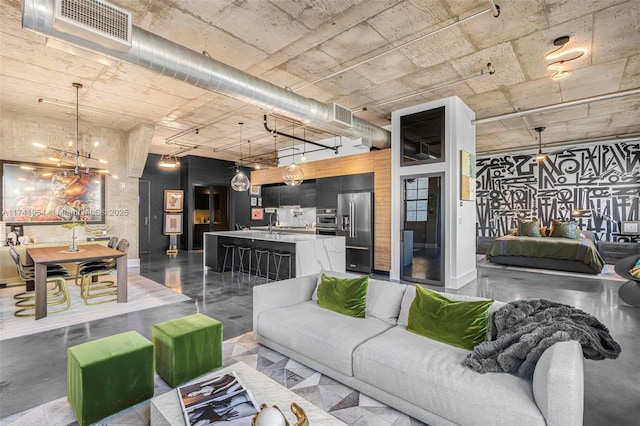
x: 557, y: 66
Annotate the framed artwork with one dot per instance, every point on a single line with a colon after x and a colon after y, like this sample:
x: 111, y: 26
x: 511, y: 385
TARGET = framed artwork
x: 254, y: 201
x: 173, y: 200
x: 172, y: 223
x: 38, y: 194
x: 260, y: 201
x: 467, y: 176
x: 257, y: 214
x: 254, y: 190
x: 630, y: 227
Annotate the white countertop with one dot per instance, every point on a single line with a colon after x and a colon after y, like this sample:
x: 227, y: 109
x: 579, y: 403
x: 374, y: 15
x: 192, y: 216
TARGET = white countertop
x: 265, y: 236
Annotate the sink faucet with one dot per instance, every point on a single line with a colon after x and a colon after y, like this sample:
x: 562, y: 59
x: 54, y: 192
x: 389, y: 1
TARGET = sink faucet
x: 277, y: 219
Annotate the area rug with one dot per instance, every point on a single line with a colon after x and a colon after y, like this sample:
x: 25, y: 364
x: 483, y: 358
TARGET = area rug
x: 344, y: 403
x: 143, y: 294
x: 607, y: 272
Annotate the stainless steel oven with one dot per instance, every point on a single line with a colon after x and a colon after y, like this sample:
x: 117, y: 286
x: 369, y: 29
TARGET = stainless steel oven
x: 326, y: 221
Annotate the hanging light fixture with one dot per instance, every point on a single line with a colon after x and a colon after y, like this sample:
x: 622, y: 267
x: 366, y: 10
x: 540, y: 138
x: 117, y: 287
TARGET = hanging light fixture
x: 304, y: 146
x: 540, y: 156
x: 292, y: 174
x: 169, y: 161
x: 240, y: 182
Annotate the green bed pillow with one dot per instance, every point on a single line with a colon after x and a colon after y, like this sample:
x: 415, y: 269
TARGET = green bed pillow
x: 529, y: 228
x: 344, y: 295
x: 564, y: 229
x: 455, y: 322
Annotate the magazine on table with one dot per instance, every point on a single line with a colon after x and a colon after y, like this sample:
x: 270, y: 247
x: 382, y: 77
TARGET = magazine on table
x: 221, y: 400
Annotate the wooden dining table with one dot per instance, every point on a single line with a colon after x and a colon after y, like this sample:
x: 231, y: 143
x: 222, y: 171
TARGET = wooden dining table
x: 43, y: 256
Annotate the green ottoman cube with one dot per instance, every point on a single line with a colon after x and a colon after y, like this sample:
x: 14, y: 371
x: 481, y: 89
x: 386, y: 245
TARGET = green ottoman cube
x: 107, y: 375
x: 187, y: 347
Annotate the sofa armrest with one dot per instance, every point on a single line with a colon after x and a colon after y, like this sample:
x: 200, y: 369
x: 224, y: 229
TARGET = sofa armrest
x: 282, y: 293
x: 558, y: 384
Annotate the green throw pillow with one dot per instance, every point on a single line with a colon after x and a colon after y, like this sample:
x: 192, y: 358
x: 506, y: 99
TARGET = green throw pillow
x: 344, y: 295
x: 529, y: 228
x: 455, y: 322
x: 564, y: 229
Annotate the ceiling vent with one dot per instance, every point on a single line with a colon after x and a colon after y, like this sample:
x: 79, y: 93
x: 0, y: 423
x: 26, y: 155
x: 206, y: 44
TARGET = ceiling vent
x: 340, y: 116
x: 97, y: 21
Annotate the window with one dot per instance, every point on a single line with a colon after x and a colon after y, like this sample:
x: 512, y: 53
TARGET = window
x: 416, y: 199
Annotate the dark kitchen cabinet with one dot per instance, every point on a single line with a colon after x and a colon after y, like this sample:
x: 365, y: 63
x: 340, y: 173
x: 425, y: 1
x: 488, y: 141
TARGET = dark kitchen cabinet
x: 289, y: 195
x: 327, y: 190
x: 308, y: 194
x: 270, y: 195
x: 356, y: 183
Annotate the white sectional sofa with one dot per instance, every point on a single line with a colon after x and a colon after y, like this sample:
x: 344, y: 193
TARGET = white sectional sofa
x: 421, y: 377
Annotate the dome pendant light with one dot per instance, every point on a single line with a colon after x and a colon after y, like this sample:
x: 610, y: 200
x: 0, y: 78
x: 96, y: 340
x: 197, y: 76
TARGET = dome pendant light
x: 292, y: 174
x: 240, y: 182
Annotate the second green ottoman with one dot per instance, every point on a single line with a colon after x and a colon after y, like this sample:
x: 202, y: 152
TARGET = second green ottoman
x: 107, y: 375
x: 187, y: 347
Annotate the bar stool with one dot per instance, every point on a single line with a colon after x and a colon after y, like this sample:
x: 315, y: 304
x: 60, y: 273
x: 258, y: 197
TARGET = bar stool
x: 277, y: 258
x: 241, y: 252
x: 226, y: 253
x: 259, y: 253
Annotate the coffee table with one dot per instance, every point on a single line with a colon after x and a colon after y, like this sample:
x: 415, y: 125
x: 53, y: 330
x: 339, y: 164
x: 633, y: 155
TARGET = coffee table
x: 166, y: 409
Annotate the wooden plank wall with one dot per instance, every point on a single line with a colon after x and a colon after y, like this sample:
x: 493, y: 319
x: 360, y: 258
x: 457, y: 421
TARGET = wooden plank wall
x: 378, y: 162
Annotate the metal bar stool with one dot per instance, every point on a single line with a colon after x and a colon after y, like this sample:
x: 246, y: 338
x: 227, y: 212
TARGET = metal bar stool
x: 277, y: 257
x: 259, y: 253
x: 226, y: 253
x: 241, y: 252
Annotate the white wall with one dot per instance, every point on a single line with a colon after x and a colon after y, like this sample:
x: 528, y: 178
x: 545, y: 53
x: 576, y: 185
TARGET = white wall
x: 459, y: 216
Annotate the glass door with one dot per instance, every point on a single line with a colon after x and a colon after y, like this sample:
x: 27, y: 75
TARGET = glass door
x: 422, y: 251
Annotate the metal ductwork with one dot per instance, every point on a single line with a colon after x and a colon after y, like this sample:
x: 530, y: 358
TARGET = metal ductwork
x: 170, y: 59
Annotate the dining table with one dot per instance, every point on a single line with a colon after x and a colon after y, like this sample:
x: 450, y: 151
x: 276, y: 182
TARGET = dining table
x: 43, y: 256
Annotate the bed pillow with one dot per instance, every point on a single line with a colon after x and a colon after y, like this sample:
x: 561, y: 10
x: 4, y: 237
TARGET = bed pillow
x: 529, y: 228
x: 347, y: 296
x: 635, y: 271
x: 458, y: 323
x: 544, y: 231
x: 564, y: 229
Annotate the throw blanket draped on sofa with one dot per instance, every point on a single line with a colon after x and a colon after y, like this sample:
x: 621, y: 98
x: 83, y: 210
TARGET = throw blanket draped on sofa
x: 520, y: 331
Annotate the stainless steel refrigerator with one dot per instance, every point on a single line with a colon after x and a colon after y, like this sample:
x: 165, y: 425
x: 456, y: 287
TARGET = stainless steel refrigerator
x: 355, y: 223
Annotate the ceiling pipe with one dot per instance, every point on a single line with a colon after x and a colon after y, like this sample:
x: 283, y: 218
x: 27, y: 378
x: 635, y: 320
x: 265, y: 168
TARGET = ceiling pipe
x: 170, y: 59
x: 275, y: 132
x: 554, y: 107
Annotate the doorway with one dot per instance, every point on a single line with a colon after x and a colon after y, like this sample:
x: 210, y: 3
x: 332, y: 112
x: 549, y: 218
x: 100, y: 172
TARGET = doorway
x: 422, y: 234
x: 144, y: 212
x: 211, y: 212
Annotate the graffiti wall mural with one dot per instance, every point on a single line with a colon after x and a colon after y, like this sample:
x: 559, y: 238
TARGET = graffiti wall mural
x: 598, y: 186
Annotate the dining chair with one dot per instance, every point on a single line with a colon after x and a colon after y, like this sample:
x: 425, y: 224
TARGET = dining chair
x: 113, y: 242
x: 90, y: 285
x: 58, y: 295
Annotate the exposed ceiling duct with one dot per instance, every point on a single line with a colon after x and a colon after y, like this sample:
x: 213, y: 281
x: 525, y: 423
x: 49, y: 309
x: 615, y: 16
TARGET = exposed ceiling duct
x: 170, y: 59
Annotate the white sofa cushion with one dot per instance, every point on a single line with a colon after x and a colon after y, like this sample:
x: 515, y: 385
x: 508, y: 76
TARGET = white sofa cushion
x: 383, y: 297
x: 320, y: 334
x: 431, y: 374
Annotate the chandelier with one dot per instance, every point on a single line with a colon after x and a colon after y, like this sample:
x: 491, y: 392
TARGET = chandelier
x: 292, y: 174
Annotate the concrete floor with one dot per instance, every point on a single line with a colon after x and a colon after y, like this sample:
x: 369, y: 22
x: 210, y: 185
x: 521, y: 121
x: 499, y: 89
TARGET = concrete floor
x: 33, y: 368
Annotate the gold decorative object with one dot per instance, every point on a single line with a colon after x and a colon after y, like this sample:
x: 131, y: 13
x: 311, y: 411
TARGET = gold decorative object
x: 273, y: 416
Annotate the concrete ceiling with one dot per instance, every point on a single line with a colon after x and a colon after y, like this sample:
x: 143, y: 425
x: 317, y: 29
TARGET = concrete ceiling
x: 292, y: 43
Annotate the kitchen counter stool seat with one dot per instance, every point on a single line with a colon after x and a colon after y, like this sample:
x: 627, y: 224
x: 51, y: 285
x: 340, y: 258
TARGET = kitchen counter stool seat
x: 277, y: 258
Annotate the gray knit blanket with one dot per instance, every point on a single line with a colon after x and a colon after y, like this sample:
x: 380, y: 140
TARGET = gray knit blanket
x: 520, y: 331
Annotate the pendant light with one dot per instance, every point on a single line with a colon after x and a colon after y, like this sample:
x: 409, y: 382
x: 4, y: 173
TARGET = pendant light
x: 540, y: 156
x: 292, y: 174
x: 240, y: 182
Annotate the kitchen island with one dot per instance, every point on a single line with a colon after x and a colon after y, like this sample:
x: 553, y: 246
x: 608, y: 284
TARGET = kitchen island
x: 310, y: 253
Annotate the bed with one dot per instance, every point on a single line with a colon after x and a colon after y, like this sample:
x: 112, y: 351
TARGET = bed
x: 561, y: 254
